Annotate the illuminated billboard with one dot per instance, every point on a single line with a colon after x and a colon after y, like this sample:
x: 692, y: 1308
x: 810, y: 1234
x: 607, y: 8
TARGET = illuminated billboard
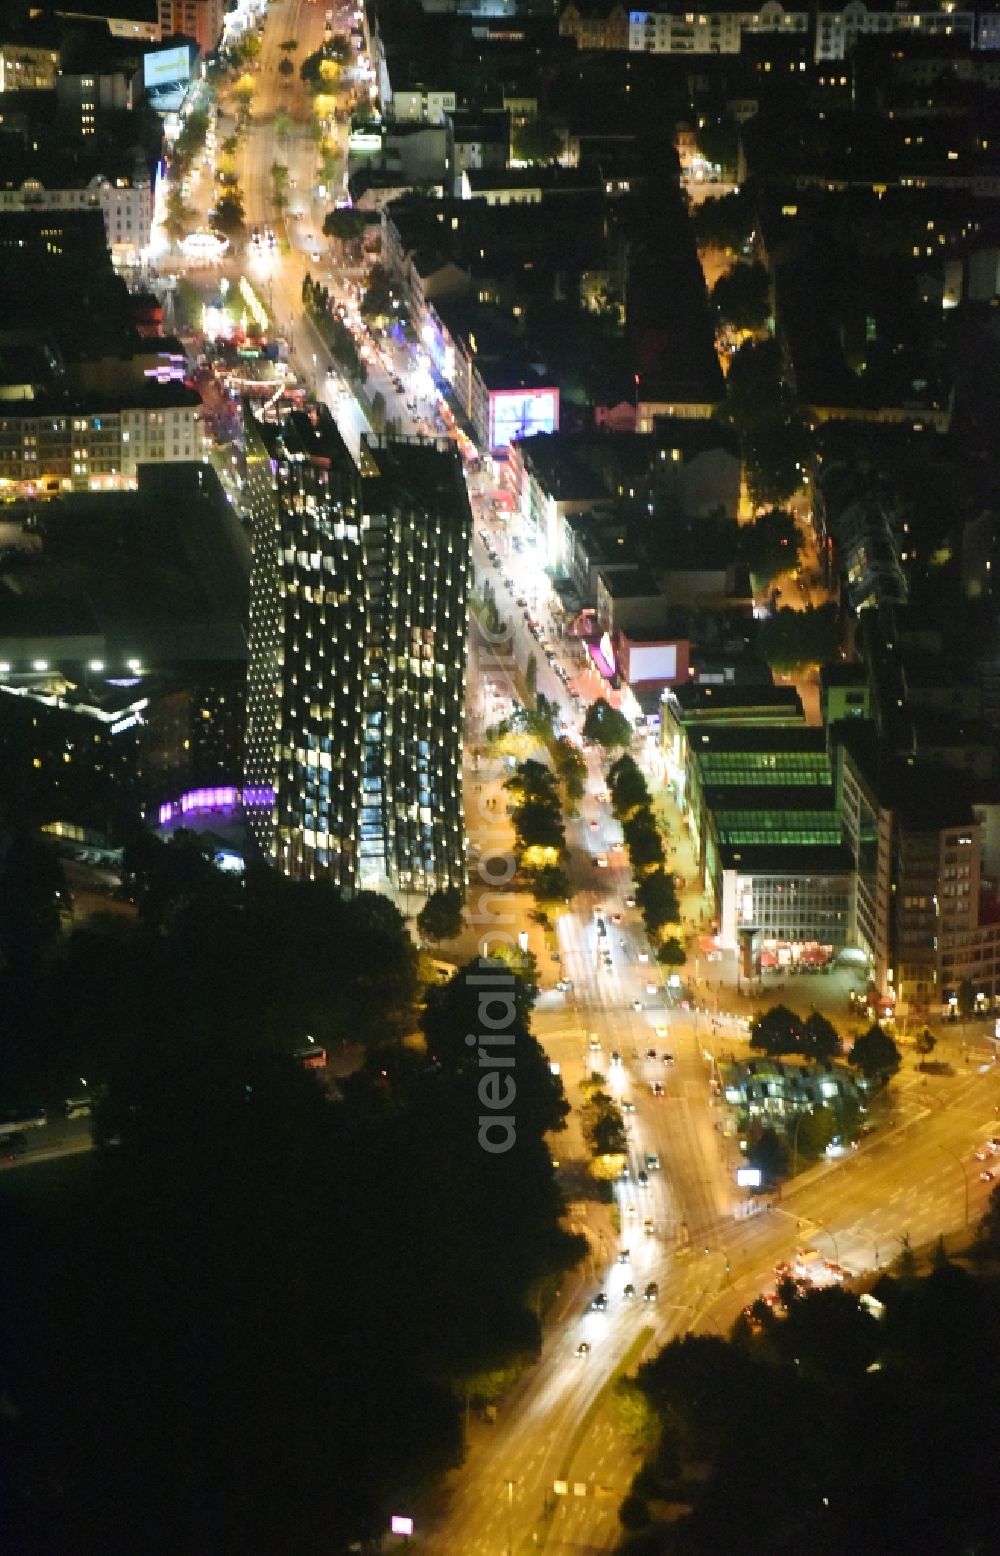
x: 520, y: 413
x: 166, y: 74
x: 653, y: 663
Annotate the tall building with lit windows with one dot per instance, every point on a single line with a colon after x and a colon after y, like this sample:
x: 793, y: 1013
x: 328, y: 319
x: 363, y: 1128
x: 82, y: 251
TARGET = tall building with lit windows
x: 357, y: 656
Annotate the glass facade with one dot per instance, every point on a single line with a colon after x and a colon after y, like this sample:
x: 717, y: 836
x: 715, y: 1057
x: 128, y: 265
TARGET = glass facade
x: 357, y: 656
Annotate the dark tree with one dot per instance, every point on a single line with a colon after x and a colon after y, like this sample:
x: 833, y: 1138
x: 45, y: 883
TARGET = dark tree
x: 642, y: 839
x: 551, y: 884
x: 656, y: 897
x: 671, y: 953
x: 875, y: 1054
x: 770, y: 544
x: 627, y: 785
x: 741, y: 297
x: 440, y: 918
x: 606, y: 726
x: 768, y: 1150
x: 229, y: 216
x: 820, y: 1038
x: 777, y: 1031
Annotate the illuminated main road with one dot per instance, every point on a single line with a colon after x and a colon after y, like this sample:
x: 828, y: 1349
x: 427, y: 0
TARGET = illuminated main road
x: 916, y: 1180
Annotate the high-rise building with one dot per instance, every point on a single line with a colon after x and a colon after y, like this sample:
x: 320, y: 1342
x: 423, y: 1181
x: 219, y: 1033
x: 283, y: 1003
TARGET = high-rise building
x: 357, y: 656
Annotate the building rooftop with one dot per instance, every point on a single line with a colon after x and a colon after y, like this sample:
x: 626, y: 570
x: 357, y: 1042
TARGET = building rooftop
x: 161, y: 574
x: 798, y: 859
x: 697, y: 701
x: 630, y: 582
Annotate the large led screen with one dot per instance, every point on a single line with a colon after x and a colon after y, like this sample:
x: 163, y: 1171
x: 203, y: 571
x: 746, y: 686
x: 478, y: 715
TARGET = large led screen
x: 166, y: 74
x: 520, y: 413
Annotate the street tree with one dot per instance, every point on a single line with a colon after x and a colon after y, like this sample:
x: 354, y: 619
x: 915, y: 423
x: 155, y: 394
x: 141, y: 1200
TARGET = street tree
x: 793, y: 640
x: 726, y: 223
x: 656, y: 897
x: 741, y: 297
x: 551, y: 884
x: 671, y: 953
x: 813, y: 1131
x: 572, y: 770
x: 875, y: 1054
x: 440, y: 918
x: 775, y: 451
x: 244, y: 91
x: 642, y: 839
x: 820, y: 1038
x: 777, y: 1031
x: 346, y: 227
x: 770, y: 544
x: 966, y: 999
x: 179, y: 215
x: 768, y: 1151
x: 627, y: 786
x: 606, y: 726
x: 538, y: 825
x: 379, y: 295
x: 229, y: 217
x: 603, y: 1126
x: 532, y: 780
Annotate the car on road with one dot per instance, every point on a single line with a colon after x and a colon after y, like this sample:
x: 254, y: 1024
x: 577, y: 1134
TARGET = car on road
x: 630, y: 902
x: 616, y: 918
x: 593, y: 826
x: 981, y: 1155
x: 652, y: 1291
x: 630, y: 1211
x: 637, y: 1004
x: 629, y: 1292
x: 583, y: 1349
x: 986, y: 1176
x: 628, y: 1107
x: 595, y: 1043
x: 601, y: 861
x: 648, y: 1226
x: 564, y: 985
x: 642, y: 1178
x: 616, y: 1059
x: 600, y: 1302
x: 650, y: 1053
x: 657, y: 1089
x: 652, y: 1161
x: 651, y: 988
x: 644, y: 956
x: 624, y: 1256
x: 668, y: 1058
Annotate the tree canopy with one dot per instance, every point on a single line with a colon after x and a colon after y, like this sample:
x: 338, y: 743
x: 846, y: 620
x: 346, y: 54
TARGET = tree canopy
x: 880, y: 1418
x: 440, y: 918
x: 875, y: 1054
x: 606, y: 726
x: 741, y: 297
x: 277, y: 1289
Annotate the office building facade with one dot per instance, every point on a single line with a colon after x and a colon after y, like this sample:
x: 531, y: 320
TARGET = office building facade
x: 357, y: 657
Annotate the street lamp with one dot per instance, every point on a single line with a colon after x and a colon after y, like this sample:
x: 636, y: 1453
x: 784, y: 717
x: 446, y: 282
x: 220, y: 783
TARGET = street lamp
x: 965, y: 1174
x: 510, y: 1517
